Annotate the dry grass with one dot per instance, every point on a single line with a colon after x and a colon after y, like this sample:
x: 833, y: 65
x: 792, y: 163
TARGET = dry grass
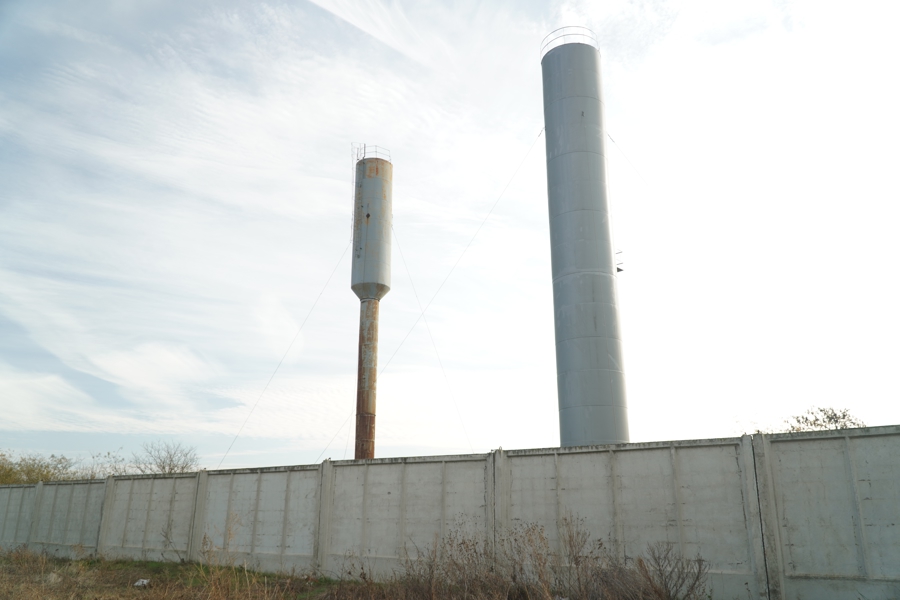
x: 520, y: 566
x: 27, y: 575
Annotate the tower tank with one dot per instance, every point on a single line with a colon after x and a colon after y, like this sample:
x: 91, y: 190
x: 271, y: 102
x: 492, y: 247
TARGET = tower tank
x: 590, y: 375
x: 370, y: 278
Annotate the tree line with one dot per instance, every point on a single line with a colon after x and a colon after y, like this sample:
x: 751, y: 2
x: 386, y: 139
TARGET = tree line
x: 175, y: 457
x: 154, y: 457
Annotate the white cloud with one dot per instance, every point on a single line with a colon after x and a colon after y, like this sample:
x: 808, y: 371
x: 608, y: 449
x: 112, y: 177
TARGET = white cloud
x: 736, y: 30
x: 278, y: 326
x: 176, y: 194
x: 625, y: 29
x: 43, y: 401
x: 155, y: 371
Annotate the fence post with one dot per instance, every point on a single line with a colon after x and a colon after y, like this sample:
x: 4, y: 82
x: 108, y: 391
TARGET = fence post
x: 502, y: 492
x: 752, y: 517
x: 109, y: 494
x: 35, y: 516
x: 198, y: 518
x: 325, y: 500
x: 768, y: 517
x: 490, y: 502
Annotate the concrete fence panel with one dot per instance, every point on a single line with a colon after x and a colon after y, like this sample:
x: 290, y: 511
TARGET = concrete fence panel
x: 66, y: 519
x: 264, y: 518
x: 16, y: 509
x: 148, y: 517
x: 368, y: 499
x: 380, y: 512
x: 699, y: 496
x: 831, y: 512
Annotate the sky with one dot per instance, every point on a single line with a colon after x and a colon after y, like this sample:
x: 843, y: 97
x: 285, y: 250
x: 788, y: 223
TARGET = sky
x: 175, y: 205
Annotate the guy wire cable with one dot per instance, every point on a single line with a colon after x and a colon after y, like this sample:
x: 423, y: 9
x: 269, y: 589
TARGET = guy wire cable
x: 638, y: 173
x: 433, y: 343
x: 347, y: 444
x: 340, y: 429
x: 453, y: 268
x: 291, y: 345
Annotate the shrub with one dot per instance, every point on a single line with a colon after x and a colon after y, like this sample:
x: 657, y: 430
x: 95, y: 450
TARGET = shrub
x: 522, y: 566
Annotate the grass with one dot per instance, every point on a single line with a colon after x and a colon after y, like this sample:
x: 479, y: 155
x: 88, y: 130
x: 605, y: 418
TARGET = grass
x: 26, y: 575
x: 523, y: 566
x: 520, y: 565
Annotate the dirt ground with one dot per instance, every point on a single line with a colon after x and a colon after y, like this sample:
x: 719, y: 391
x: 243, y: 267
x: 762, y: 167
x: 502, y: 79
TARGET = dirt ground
x: 28, y: 576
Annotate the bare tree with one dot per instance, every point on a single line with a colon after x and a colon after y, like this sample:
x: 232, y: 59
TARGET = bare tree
x: 102, y: 465
x: 819, y: 418
x: 166, y: 457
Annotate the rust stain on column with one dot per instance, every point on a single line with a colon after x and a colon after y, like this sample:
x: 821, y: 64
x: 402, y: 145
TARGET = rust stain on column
x: 366, y: 380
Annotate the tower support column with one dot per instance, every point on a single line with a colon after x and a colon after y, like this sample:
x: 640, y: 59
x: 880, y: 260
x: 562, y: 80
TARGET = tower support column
x: 366, y: 378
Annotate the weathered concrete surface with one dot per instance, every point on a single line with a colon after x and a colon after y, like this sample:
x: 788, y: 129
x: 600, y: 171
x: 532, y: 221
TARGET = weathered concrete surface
x: 148, y: 517
x: 698, y: 495
x: 803, y: 516
x: 16, y: 510
x: 66, y: 518
x: 266, y: 518
x: 830, y: 504
x: 383, y: 509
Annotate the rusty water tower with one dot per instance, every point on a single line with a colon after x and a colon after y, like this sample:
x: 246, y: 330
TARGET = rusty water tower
x: 371, y: 276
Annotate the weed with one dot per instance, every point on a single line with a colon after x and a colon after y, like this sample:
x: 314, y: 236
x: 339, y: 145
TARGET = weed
x: 520, y: 565
x: 26, y: 575
x: 517, y: 565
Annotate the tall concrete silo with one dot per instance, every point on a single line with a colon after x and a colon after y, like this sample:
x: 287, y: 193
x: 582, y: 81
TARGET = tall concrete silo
x: 371, y: 277
x: 590, y: 377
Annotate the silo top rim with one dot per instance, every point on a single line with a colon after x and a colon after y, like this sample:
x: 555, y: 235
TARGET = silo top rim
x: 572, y: 34
x: 361, y: 151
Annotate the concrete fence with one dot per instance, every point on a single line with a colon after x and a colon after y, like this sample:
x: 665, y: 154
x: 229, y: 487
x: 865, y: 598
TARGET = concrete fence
x: 811, y: 515
x: 831, y: 513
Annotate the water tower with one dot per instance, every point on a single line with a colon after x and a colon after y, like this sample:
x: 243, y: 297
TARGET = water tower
x: 371, y: 277
x: 590, y: 376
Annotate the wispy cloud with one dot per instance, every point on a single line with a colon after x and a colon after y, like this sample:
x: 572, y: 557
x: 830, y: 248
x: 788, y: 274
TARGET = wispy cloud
x: 626, y: 30
x: 735, y: 31
x: 176, y: 193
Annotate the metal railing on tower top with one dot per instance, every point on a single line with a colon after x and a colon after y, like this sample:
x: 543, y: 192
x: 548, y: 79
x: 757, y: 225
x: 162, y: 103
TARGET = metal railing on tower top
x: 572, y: 34
x: 361, y: 151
